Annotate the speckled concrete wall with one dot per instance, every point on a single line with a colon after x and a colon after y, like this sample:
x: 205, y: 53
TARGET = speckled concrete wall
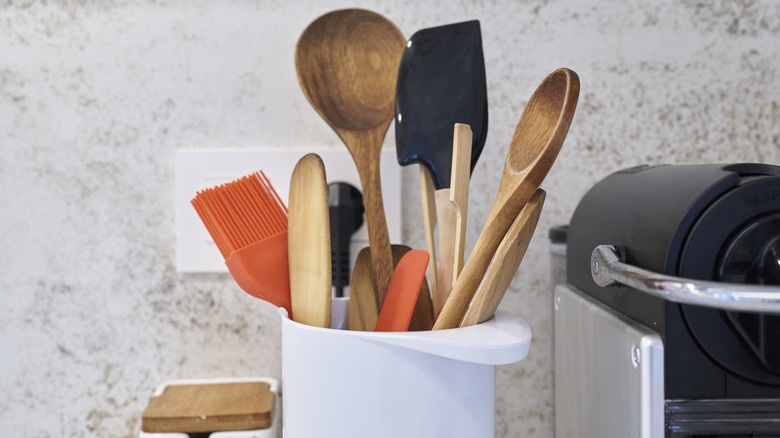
x: 95, y: 97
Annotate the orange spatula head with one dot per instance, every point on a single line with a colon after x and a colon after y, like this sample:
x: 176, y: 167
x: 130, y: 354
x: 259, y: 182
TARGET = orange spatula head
x: 397, y: 309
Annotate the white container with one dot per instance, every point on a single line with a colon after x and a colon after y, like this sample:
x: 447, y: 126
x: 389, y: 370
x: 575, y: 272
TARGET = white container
x: 339, y: 383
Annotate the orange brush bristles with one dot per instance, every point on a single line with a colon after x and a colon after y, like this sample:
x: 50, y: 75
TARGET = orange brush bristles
x: 248, y: 222
x: 241, y: 212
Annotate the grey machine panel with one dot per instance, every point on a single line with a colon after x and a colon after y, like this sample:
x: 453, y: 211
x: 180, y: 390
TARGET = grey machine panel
x: 609, y: 376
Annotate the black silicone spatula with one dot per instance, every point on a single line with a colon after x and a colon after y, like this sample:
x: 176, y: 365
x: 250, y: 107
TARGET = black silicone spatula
x: 441, y: 82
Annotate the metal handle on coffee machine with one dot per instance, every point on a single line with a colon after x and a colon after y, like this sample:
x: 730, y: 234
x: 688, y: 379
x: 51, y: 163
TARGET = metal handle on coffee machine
x: 608, y: 269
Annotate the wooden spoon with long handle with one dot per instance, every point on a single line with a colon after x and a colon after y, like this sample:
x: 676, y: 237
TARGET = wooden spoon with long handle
x: 537, y: 139
x: 508, y: 257
x: 347, y: 65
x: 308, y: 242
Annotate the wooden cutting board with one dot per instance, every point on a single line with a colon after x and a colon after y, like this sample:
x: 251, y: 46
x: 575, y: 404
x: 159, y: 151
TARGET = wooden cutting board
x: 210, y: 408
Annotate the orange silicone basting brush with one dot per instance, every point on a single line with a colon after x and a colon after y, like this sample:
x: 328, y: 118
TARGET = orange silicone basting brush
x: 248, y: 222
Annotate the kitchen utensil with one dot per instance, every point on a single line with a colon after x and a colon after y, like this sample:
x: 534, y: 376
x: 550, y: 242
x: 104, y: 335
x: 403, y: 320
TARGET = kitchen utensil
x: 203, y: 408
x: 441, y: 81
x: 345, y: 209
x: 459, y: 197
x: 248, y: 222
x: 401, y: 298
x: 347, y: 65
x: 537, y: 139
x: 428, y: 196
x: 505, y: 263
x: 363, y: 309
x: 422, y: 317
x: 451, y: 209
x: 308, y: 238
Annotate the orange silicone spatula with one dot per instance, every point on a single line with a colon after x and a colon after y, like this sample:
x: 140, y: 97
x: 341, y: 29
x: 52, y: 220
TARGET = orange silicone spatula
x: 397, y: 309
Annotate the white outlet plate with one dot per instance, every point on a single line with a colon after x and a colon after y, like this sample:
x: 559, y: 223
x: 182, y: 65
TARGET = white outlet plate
x: 198, y: 169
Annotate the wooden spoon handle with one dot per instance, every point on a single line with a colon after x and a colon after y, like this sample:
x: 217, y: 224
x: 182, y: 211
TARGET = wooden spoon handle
x: 378, y: 237
x: 508, y: 257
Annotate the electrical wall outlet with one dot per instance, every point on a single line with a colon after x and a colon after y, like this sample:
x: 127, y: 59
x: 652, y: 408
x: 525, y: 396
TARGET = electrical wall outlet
x: 198, y: 169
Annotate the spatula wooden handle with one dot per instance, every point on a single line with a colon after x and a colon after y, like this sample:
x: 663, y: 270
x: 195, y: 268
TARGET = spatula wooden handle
x: 427, y: 191
x: 451, y: 209
x: 459, y: 190
x: 447, y: 215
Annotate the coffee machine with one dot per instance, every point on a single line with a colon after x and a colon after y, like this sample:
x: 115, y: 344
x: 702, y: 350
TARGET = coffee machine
x: 667, y: 304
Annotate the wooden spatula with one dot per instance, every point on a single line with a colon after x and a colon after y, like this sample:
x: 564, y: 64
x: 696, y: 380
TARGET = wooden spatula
x: 308, y: 241
x: 508, y: 256
x: 401, y: 298
x: 458, y: 203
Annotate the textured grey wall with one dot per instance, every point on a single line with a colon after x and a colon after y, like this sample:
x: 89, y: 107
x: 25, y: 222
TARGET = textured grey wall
x: 96, y: 97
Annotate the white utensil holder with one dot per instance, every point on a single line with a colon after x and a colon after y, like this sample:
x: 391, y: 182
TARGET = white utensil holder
x: 339, y: 383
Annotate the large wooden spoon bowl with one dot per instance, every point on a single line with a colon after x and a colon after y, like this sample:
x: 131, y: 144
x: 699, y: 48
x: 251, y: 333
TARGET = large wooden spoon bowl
x: 347, y: 65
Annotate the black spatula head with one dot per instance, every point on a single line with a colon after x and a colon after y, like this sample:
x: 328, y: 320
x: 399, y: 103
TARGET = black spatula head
x: 441, y: 81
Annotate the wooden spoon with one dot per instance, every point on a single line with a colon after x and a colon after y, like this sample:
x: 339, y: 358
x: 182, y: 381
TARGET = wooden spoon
x: 537, y: 139
x: 308, y: 242
x: 347, y: 65
x: 508, y: 257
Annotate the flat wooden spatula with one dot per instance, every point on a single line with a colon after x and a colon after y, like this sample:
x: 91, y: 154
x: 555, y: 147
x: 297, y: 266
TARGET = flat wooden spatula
x: 508, y: 256
x: 308, y: 241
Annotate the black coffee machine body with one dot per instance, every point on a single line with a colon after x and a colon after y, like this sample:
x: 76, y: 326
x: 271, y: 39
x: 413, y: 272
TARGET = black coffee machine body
x: 673, y: 276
